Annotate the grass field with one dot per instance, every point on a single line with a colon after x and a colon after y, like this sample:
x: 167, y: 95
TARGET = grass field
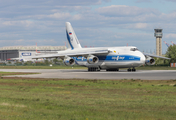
x: 15, y: 73
x: 79, y: 67
x: 46, y: 99
x: 42, y: 67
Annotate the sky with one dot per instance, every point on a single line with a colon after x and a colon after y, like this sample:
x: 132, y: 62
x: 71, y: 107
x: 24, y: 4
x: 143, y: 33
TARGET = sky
x: 97, y: 23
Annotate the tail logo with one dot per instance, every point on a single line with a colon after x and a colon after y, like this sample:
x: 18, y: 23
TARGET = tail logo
x: 70, y: 33
x: 71, y: 39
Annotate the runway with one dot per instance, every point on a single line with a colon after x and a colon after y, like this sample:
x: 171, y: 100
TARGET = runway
x: 84, y: 74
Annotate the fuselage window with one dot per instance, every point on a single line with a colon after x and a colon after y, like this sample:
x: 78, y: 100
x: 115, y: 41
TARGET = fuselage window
x: 134, y: 49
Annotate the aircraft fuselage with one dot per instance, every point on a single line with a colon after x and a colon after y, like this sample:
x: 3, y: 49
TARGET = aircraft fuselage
x: 118, y: 57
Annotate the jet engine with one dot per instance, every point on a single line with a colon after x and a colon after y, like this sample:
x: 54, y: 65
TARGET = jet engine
x: 91, y: 59
x: 69, y: 61
x: 150, y: 61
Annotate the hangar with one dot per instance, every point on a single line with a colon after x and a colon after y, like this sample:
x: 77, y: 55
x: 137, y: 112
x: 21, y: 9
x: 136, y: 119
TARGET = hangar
x: 26, y: 51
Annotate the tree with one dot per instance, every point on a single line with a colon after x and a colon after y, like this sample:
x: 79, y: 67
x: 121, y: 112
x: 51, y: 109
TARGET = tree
x: 55, y: 60
x: 162, y: 62
x: 28, y: 63
x: 171, y: 53
x: 47, y: 62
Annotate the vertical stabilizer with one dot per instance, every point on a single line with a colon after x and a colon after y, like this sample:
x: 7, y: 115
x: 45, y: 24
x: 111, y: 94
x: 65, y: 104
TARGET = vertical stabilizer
x: 71, y: 37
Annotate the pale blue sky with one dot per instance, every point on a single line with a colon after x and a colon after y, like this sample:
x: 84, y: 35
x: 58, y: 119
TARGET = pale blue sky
x: 96, y: 22
x: 164, y: 6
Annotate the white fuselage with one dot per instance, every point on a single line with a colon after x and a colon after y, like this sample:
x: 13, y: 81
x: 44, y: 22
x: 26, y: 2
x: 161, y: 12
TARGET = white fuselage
x: 118, y: 57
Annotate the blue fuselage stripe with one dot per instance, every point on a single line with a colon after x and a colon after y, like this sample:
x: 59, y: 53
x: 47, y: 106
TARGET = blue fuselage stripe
x: 117, y: 58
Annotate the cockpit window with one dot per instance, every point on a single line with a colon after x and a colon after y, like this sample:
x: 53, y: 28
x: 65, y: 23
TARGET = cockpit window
x: 134, y: 49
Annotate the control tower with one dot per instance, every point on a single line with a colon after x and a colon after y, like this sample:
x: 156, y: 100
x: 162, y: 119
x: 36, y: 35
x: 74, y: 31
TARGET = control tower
x: 158, y: 34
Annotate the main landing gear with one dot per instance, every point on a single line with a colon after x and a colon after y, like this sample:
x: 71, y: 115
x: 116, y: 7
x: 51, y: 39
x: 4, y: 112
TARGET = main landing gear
x: 133, y: 70
x: 93, y: 69
x: 115, y: 69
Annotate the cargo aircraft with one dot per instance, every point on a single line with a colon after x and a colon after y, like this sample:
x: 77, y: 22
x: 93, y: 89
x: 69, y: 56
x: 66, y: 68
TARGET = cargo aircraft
x: 101, y: 58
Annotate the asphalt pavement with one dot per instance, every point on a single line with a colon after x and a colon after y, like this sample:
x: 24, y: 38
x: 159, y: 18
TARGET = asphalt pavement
x: 107, y: 75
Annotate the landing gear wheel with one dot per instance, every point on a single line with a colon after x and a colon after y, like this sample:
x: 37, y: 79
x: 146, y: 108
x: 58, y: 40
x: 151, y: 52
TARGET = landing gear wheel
x: 133, y: 69
x: 93, y: 69
x: 116, y: 69
x: 129, y: 70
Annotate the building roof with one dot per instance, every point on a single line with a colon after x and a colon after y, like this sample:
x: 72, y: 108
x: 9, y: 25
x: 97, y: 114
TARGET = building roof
x: 33, y: 48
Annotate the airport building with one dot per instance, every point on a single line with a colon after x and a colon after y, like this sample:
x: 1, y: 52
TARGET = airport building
x: 158, y: 34
x: 25, y: 51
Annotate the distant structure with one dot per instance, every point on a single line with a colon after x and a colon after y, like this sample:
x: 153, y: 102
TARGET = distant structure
x: 26, y: 51
x: 173, y: 43
x: 158, y: 34
x: 166, y: 44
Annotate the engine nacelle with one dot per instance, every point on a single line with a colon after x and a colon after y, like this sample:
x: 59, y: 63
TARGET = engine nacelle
x: 91, y: 59
x: 69, y: 61
x: 150, y: 61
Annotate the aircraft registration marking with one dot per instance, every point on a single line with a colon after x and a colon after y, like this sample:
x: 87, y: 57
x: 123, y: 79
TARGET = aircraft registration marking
x: 71, y: 39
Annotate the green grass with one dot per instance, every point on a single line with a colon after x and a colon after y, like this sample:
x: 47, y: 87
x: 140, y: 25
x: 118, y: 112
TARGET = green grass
x: 47, y: 99
x: 42, y: 67
x: 15, y: 73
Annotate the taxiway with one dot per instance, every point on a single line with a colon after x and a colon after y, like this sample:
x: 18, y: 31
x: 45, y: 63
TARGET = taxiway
x: 84, y: 74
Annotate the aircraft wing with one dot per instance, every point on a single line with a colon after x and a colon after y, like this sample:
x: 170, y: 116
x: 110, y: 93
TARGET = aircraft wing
x: 146, y: 54
x: 62, y: 54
